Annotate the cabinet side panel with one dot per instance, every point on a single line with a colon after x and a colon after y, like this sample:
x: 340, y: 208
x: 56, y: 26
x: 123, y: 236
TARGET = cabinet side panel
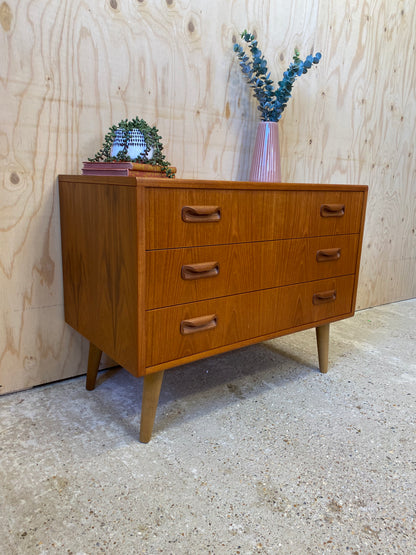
x: 141, y: 281
x: 360, y: 243
x: 99, y: 255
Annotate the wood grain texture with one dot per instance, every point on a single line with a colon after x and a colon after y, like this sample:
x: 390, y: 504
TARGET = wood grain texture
x: 244, y: 267
x: 69, y: 70
x: 247, y: 216
x: 361, y: 129
x: 242, y: 317
x: 105, y: 300
x: 100, y: 261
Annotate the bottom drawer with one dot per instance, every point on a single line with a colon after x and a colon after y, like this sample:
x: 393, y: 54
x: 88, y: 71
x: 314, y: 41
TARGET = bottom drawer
x: 180, y: 331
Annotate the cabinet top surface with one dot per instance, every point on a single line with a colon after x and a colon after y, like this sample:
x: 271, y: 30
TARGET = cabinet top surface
x: 164, y: 183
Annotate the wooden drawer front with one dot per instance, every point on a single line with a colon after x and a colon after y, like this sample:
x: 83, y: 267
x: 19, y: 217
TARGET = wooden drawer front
x: 223, y: 216
x: 172, y: 333
x: 177, y: 276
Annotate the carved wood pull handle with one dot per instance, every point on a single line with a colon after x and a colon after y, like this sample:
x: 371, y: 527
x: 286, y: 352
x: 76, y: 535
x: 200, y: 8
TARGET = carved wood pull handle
x: 201, y: 214
x: 324, y: 297
x: 200, y: 271
x: 202, y: 323
x: 332, y: 210
x: 328, y: 255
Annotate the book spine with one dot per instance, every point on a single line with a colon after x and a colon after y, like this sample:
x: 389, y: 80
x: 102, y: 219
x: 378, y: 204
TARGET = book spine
x: 133, y: 173
x: 149, y: 167
x: 105, y: 172
x: 107, y: 165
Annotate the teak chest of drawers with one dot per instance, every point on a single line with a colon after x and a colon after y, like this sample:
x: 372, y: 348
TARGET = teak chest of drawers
x: 161, y: 272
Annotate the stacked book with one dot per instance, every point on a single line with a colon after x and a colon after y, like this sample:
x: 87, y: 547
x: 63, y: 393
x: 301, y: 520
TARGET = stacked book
x: 132, y: 169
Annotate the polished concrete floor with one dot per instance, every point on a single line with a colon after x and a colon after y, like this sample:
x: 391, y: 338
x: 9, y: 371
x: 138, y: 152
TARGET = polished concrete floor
x: 253, y: 451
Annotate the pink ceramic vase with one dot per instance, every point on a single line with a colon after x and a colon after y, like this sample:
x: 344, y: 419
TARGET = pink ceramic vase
x: 265, y: 165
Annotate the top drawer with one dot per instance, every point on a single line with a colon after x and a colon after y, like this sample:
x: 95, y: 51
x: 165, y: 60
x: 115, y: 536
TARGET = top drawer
x: 196, y: 217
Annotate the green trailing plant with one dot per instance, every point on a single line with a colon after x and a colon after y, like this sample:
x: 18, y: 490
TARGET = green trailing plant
x: 151, y: 138
x: 272, y: 101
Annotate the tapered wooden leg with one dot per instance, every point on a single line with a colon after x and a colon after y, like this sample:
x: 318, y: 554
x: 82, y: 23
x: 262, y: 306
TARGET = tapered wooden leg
x: 322, y: 339
x: 94, y: 357
x: 151, y: 391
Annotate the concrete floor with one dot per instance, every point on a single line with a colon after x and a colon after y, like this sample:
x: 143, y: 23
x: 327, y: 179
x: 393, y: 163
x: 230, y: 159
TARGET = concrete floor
x: 254, y: 451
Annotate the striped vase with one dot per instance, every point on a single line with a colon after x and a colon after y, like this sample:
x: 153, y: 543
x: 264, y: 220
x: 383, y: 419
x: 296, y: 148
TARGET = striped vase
x: 265, y: 165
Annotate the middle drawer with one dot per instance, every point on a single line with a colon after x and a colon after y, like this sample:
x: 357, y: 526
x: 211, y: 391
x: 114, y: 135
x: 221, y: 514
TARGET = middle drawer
x: 177, y: 276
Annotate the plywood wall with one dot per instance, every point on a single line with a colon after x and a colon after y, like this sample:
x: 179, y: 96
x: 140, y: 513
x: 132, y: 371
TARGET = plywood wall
x: 69, y: 70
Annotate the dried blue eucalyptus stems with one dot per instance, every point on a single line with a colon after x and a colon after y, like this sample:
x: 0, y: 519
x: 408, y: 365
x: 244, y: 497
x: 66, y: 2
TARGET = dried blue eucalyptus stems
x: 271, y: 101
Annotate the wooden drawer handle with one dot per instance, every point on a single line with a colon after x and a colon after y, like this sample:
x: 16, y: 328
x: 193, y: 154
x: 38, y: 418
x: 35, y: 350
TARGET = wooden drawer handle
x: 324, y: 297
x: 202, y: 323
x: 200, y: 271
x: 201, y: 214
x: 332, y: 210
x: 328, y: 255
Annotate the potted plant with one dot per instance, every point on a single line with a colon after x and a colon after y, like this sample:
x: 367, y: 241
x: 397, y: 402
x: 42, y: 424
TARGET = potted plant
x: 134, y: 141
x: 271, y: 103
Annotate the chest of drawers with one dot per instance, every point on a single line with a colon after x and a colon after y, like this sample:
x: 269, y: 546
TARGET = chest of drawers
x: 160, y: 272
